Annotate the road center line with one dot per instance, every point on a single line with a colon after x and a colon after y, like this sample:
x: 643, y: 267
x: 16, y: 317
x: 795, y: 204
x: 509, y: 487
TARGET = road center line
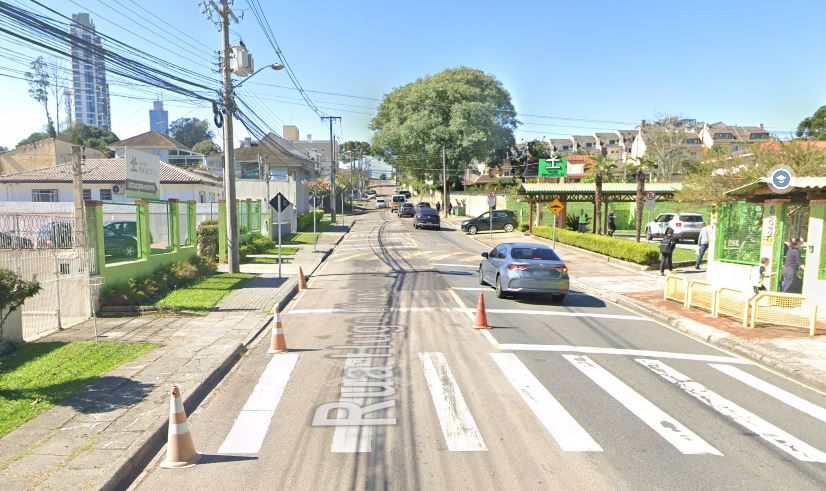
x: 458, y: 426
x: 674, y: 432
x: 565, y: 348
x: 250, y: 428
x: 569, y: 435
x: 474, y: 266
x: 765, y: 430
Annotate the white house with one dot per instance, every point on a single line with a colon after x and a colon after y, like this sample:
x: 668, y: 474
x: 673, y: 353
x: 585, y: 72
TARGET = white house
x: 104, y: 180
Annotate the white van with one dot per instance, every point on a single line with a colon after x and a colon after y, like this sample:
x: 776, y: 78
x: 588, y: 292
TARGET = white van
x: 381, y: 203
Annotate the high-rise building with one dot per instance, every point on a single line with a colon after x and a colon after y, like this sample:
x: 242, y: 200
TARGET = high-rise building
x: 90, y: 90
x: 158, y: 118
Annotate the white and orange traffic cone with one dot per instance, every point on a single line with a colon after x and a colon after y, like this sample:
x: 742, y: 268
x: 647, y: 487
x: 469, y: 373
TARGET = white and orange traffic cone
x: 278, y: 344
x: 302, y: 281
x: 481, y: 321
x: 180, y: 450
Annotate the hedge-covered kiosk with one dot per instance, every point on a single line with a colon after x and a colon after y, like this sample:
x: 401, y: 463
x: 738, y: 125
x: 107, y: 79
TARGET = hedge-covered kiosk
x: 760, y: 223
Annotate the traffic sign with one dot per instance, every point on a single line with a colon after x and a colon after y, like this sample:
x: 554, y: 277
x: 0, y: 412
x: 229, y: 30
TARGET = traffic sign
x: 553, y: 167
x: 651, y: 196
x: 280, y: 202
x: 650, y: 204
x: 555, y: 206
x: 492, y: 199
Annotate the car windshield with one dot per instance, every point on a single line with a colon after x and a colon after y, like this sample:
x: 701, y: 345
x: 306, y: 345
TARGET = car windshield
x: 398, y: 199
x: 691, y: 218
x: 534, y: 253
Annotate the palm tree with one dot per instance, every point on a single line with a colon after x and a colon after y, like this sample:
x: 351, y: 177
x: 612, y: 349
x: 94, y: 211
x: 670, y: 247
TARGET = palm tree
x: 603, y: 168
x: 644, y: 163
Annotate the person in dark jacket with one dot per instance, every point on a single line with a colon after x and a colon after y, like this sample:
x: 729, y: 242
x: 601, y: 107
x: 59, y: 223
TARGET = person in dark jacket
x: 667, y: 247
x: 612, y: 223
x: 789, y: 282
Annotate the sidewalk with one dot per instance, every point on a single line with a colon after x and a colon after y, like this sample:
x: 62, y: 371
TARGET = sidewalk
x: 789, y: 351
x: 110, y: 430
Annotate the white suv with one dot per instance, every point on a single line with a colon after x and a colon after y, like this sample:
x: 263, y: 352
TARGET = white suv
x: 686, y: 226
x: 381, y: 203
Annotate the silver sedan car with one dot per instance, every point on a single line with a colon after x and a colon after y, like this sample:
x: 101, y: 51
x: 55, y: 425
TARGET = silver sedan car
x: 524, y: 268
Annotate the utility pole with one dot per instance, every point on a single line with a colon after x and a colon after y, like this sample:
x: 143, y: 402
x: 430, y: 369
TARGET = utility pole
x: 333, y: 165
x: 229, y: 157
x: 444, y: 182
x: 77, y: 192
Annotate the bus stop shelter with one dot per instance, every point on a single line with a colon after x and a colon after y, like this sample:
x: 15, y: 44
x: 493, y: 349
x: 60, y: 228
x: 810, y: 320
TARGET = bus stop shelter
x: 585, y: 192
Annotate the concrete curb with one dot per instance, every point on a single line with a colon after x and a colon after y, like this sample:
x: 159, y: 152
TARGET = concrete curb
x: 763, y: 356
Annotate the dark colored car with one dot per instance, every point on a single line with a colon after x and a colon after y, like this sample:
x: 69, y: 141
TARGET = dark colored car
x: 406, y: 194
x: 423, y: 204
x: 119, y: 245
x: 123, y: 227
x: 427, y: 218
x: 502, y: 220
x: 12, y: 241
x: 407, y: 210
x: 55, y: 235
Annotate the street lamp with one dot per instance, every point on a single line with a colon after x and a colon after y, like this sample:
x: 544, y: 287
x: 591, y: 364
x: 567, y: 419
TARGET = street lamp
x: 274, y: 66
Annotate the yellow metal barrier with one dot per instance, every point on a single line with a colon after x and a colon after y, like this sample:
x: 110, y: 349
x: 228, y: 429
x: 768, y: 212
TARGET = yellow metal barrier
x: 732, y: 303
x: 783, y: 309
x: 700, y: 294
x: 675, y: 288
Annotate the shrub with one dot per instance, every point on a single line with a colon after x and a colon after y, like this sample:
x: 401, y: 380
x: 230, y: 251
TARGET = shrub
x: 258, y: 244
x: 208, y: 240
x: 305, y: 220
x: 147, y: 289
x: 626, y: 250
x: 14, y: 290
x: 523, y: 227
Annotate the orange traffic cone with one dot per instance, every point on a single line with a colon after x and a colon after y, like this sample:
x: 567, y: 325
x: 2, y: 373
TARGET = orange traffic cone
x: 481, y: 321
x: 278, y: 344
x: 302, y: 281
x: 180, y: 451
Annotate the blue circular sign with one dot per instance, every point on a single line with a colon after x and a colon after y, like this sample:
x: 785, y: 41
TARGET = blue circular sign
x: 781, y: 179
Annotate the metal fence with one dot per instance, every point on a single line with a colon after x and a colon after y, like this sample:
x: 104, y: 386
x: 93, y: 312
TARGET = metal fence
x: 159, y: 226
x: 205, y: 212
x: 183, y: 225
x: 36, y: 231
x: 120, y: 232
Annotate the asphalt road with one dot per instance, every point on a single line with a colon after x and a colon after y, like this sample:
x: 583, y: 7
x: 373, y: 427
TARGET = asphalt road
x: 584, y: 395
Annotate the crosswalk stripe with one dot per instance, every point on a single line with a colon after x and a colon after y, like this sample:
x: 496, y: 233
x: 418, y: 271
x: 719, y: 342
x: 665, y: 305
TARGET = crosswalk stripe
x: 781, y: 395
x: 569, y: 435
x: 353, y: 439
x: 347, y: 258
x: 440, y: 257
x: 458, y: 426
x: 674, y: 432
x: 765, y: 430
x: 475, y: 258
x: 248, y: 431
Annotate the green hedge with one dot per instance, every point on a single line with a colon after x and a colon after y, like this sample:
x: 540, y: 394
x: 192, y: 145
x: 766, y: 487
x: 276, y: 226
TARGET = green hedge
x: 207, y: 233
x: 145, y: 290
x: 635, y: 252
x: 305, y: 220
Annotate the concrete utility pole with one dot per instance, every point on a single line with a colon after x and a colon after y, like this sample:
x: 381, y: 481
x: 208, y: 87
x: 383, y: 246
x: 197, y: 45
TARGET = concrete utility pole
x: 233, y: 260
x: 445, y: 197
x: 333, y: 165
x: 77, y: 192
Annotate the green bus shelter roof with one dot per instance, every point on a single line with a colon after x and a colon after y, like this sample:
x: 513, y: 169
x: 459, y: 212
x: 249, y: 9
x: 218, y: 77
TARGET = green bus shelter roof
x: 555, y: 188
x: 799, y: 182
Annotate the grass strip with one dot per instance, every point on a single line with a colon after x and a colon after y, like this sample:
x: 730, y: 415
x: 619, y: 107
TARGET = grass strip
x: 205, y: 294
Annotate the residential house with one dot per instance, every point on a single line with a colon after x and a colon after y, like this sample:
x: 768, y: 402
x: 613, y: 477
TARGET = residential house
x: 586, y: 144
x: 318, y: 150
x: 167, y: 148
x: 40, y: 154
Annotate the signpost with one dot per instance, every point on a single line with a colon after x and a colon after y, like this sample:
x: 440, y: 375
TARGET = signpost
x: 650, y: 203
x: 555, y: 206
x: 143, y: 176
x: 553, y: 167
x: 280, y: 203
x: 491, y: 206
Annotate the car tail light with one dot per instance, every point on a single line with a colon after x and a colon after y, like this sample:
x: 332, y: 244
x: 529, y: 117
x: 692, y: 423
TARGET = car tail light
x: 49, y: 243
x: 517, y: 266
x: 678, y: 224
x: 561, y: 269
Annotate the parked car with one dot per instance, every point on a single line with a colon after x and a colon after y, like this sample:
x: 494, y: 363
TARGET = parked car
x: 124, y: 227
x: 524, y: 268
x: 686, y: 226
x: 406, y: 194
x: 407, y: 210
x: 423, y: 204
x: 381, y: 203
x: 427, y: 218
x: 372, y: 193
x: 55, y: 235
x: 502, y: 220
x: 9, y: 240
x: 119, y: 246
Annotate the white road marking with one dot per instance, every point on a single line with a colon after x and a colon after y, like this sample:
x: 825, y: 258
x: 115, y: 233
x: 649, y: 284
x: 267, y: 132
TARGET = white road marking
x: 250, y: 428
x: 369, y: 310
x: 474, y: 289
x: 458, y: 425
x: 565, y: 348
x: 765, y: 430
x: 570, y: 436
x: 674, y: 432
x: 473, y: 258
x: 474, y: 266
x: 470, y: 313
x: 353, y: 439
x: 347, y: 258
x: 560, y: 313
x: 781, y: 395
x: 441, y: 256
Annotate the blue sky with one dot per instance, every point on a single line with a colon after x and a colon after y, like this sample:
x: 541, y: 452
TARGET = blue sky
x: 581, y: 66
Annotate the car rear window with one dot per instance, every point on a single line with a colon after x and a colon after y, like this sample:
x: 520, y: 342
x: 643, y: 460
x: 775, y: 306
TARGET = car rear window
x: 691, y: 218
x: 398, y: 199
x: 536, y: 253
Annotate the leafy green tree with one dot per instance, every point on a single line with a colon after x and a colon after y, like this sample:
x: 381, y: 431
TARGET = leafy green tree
x: 3, y: 149
x: 34, y: 137
x: 206, y: 147
x: 383, y: 177
x: 813, y: 127
x: 190, y: 131
x: 464, y: 111
x: 352, y: 150
x: 13, y: 292
x: 90, y: 137
x: 539, y: 149
x: 38, y: 80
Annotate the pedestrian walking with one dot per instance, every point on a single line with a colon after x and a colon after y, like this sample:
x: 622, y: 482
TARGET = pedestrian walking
x: 438, y: 207
x: 702, y: 241
x: 759, y: 276
x: 667, y: 247
x: 612, y: 223
x: 449, y: 207
x: 583, y: 221
x: 789, y: 282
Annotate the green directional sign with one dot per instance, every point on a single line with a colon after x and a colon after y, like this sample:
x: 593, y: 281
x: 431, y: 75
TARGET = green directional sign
x: 553, y: 167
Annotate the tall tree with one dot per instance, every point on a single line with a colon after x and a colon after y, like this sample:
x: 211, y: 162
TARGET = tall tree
x: 206, y: 147
x: 351, y: 150
x: 34, y: 137
x: 190, y: 131
x: 645, y: 164
x: 813, y: 127
x: 38, y: 80
x: 463, y: 111
x: 663, y: 141
x: 539, y: 149
x: 57, y: 86
x: 91, y: 137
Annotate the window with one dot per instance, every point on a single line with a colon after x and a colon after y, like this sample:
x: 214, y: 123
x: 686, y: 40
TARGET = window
x: 589, y: 145
x: 44, y: 195
x: 693, y: 141
x: 87, y: 194
x: 106, y: 195
x: 723, y: 136
x: 535, y: 253
x: 759, y: 136
x: 566, y: 147
x: 739, y: 229
x: 735, y: 148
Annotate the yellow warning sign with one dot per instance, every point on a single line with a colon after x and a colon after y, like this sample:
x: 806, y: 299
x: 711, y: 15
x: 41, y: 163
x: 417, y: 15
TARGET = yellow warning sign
x: 555, y: 206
